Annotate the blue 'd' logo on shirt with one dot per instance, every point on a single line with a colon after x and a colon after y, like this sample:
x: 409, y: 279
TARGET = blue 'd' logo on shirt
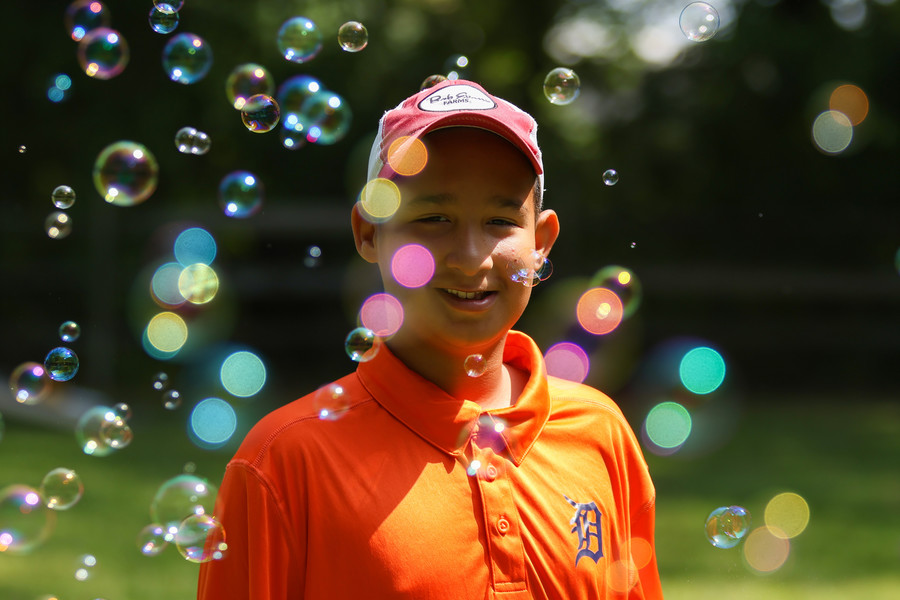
x: 586, y: 523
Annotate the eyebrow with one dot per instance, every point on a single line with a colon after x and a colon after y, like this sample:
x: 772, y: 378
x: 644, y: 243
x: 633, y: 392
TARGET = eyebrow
x: 501, y: 202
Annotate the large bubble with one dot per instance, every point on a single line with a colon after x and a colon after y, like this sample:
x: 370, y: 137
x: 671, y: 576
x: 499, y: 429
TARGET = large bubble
x: 25, y: 521
x: 83, y: 16
x: 727, y: 525
x: 125, y: 173
x: 325, y: 117
x: 61, y: 364
x: 299, y: 40
x: 353, y: 36
x: 103, y: 53
x: 187, y: 58
x: 247, y: 80
x: 241, y: 194
x: 29, y: 383
x: 201, y: 538
x: 180, y: 497
x: 61, y: 488
x: 562, y: 86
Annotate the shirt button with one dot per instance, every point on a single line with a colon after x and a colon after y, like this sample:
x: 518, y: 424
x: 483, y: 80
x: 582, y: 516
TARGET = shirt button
x: 490, y: 473
x: 502, y: 525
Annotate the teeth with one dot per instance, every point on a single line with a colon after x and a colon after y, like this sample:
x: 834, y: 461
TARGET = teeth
x: 465, y: 295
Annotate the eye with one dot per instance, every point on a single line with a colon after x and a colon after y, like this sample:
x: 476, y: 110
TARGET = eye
x: 503, y: 222
x: 433, y: 219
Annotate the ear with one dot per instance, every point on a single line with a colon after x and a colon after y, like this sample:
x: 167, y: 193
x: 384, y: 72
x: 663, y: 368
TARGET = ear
x: 546, y: 230
x: 364, y: 235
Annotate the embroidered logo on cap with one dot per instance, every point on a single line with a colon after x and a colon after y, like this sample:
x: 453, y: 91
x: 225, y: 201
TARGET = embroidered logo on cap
x: 456, y: 97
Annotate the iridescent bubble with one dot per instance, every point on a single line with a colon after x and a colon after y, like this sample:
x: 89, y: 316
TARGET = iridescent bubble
x: 299, y: 40
x: 88, y: 431
x: 362, y: 344
x: 624, y: 283
x: 260, y: 113
x: 61, y: 488
x: 201, y: 538
x: 163, y: 18
x: 331, y: 402
x: 198, y: 283
x: 353, y: 36
x: 22, y: 149
x: 431, y: 81
x: 699, y: 21
x: 85, y: 566
x: 702, y: 370
x: 189, y: 140
x: 160, y: 381
x: 195, y: 245
x: 125, y: 173
x: 69, y: 331
x: 123, y: 410
x: 29, y: 383
x: 212, y: 423
x: 293, y: 92
x: 83, y: 16
x: 382, y: 313
x: 176, y: 5
x: 457, y: 66
x: 58, y: 225
x: 116, y: 433
x: 599, y: 311
x: 530, y: 269
x: 103, y: 53
x: 171, y: 399
x: 412, y: 265
x: 241, y: 194
x: 325, y: 118
x: 25, y: 521
x: 243, y: 374
x: 248, y: 80
x: 474, y: 365
x: 187, y: 58
x: 151, y: 539
x: 568, y: 361
x: 562, y: 86
x: 727, y: 525
x: 180, y: 497
x: 61, y: 364
x: 610, y: 177
x: 63, y: 197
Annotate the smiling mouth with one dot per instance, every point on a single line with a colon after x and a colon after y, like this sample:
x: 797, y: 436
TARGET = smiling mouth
x: 467, y: 295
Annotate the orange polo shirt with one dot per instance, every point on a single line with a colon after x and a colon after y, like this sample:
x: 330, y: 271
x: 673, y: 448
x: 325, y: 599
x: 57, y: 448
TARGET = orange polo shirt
x: 415, y: 494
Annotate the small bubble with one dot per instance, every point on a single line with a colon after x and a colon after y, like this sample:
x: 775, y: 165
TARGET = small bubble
x: 260, y: 113
x: 431, y: 81
x: 299, y: 40
x: 475, y: 365
x: 246, y: 80
x: 116, y: 433
x: 362, y: 344
x: 69, y: 331
x: 562, y: 86
x: 63, y: 197
x: 633, y: 245
x: 201, y: 538
x: 241, y: 194
x: 103, y: 53
x: 58, y: 225
x: 727, y: 525
x: 29, y: 383
x: 353, y: 36
x: 61, y: 489
x: 313, y: 257
x: 699, y: 21
x: 84, y: 566
x: 191, y: 141
x: 22, y: 149
x: 125, y: 173
x: 151, y: 540
x: 61, y: 364
x: 122, y: 410
x: 610, y: 177
x: 163, y: 18
x: 187, y: 58
x: 331, y: 402
x: 171, y: 399
x: 160, y: 381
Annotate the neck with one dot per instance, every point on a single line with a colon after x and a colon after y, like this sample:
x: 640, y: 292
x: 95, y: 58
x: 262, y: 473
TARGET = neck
x: 497, y: 386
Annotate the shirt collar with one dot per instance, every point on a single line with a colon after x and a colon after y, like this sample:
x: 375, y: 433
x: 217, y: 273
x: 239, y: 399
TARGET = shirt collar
x: 446, y: 422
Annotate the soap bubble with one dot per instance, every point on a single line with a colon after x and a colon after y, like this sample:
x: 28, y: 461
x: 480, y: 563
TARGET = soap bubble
x: 176, y: 5
x: 83, y: 16
x: 163, y: 18
x: 25, y: 521
x: 457, y: 66
x: 313, y: 257
x: 180, y: 497
x: 727, y: 525
x: 123, y: 410
x: 353, y: 36
x: 699, y: 21
x: 191, y: 141
x: 624, y: 283
x: 530, y: 269
x: 103, y: 53
x: 171, y: 399
x: 187, y: 58
x: 610, y: 177
x: 116, y: 433
x: 247, y: 80
x: 562, y: 86
x: 160, y: 381
x: 299, y: 40
x: 61, y: 489
x: 88, y: 431
x: 475, y: 365
x: 260, y: 113
x: 431, y: 81
x: 331, y: 402
x: 63, y: 197
x: 241, y: 194
x: 325, y: 117
x: 567, y: 360
x: 362, y: 344
x: 125, y: 173
x: 294, y: 91
x: 61, y: 364
x: 599, y: 311
x: 85, y: 564
x: 201, y: 538
x: 59, y: 87
x: 69, y: 331
x: 23, y: 149
x: 151, y: 539
x: 58, y: 225
x: 29, y: 383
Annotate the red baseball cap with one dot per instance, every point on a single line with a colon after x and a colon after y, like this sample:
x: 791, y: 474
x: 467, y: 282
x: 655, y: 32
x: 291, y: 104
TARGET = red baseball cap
x: 454, y: 103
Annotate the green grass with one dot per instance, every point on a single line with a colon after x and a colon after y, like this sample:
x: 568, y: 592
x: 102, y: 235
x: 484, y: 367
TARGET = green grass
x: 841, y: 457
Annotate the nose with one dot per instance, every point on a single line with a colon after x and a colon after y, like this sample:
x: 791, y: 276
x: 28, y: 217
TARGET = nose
x: 470, y: 252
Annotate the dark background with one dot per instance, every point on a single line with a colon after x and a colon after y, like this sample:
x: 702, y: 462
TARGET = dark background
x: 743, y: 235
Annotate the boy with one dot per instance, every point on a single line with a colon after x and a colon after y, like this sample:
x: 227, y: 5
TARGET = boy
x: 437, y: 481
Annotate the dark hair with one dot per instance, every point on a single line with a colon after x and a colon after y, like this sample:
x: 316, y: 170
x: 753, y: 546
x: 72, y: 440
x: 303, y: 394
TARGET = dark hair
x: 538, y: 196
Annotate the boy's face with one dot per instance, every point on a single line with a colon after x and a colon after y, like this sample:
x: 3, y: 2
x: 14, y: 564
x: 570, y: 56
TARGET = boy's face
x: 472, y: 207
